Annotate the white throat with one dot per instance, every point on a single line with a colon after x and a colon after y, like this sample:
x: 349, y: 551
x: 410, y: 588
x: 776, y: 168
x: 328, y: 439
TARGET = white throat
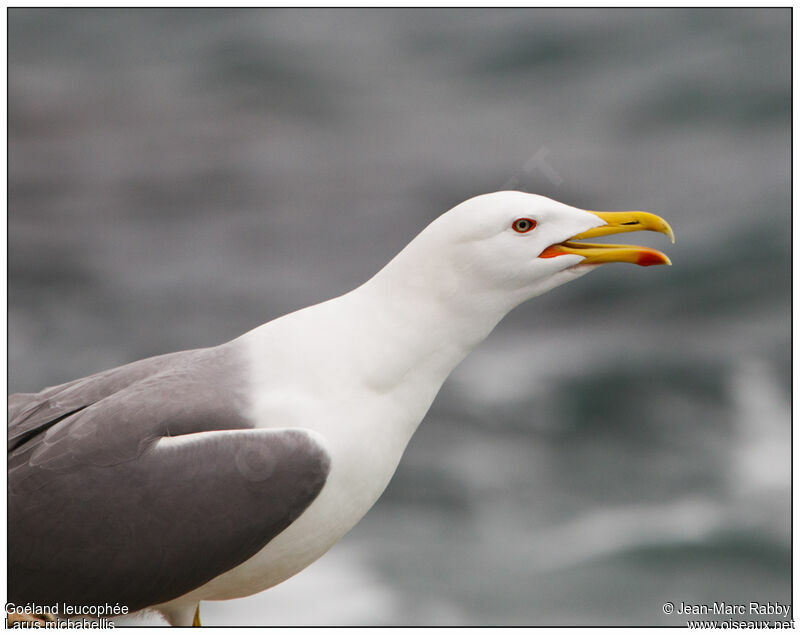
x: 360, y: 371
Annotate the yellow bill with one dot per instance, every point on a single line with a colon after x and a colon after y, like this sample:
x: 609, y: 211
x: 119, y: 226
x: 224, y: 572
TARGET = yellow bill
x: 616, y: 223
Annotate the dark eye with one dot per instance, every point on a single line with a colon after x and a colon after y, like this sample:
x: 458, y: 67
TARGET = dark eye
x: 523, y: 225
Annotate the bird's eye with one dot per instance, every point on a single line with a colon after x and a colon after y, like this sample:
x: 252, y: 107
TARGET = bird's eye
x: 523, y: 225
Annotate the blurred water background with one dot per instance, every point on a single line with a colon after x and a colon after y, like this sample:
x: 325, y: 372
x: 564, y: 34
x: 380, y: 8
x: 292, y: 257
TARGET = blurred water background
x: 177, y: 177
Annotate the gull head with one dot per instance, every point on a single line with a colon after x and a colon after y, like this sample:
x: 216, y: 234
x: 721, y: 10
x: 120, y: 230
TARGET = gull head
x: 522, y: 245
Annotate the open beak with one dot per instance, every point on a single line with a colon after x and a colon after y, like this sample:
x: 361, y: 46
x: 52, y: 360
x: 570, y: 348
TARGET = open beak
x: 616, y: 223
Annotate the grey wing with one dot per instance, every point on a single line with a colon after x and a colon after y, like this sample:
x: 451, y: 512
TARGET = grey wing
x: 31, y: 413
x: 152, y: 490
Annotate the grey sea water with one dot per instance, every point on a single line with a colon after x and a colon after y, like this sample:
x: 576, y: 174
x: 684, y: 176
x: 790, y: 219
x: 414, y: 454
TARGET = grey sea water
x: 177, y: 177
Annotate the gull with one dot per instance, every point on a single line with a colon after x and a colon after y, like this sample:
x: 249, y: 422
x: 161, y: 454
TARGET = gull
x: 216, y: 473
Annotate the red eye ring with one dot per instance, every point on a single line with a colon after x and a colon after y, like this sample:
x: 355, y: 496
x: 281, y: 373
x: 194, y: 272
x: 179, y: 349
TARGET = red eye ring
x: 523, y: 225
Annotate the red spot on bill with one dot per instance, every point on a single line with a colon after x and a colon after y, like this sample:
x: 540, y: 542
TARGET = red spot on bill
x: 649, y: 257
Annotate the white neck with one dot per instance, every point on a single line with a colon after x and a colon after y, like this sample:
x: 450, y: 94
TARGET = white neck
x: 383, y: 350
x: 417, y: 321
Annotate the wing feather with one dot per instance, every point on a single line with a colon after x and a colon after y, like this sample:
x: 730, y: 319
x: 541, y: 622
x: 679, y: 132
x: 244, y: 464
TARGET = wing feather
x: 142, y: 483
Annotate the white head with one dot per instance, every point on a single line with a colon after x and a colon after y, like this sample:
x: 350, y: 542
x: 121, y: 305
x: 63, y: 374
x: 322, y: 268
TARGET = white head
x: 511, y: 246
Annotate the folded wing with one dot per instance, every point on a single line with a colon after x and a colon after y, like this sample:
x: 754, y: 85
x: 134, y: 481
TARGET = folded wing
x: 144, y: 482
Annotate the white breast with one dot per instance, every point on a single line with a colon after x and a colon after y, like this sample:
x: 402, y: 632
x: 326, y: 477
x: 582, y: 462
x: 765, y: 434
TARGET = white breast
x: 359, y: 372
x: 365, y: 433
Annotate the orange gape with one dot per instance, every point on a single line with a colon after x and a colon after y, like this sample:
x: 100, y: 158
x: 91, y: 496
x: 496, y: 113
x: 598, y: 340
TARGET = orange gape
x: 551, y: 252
